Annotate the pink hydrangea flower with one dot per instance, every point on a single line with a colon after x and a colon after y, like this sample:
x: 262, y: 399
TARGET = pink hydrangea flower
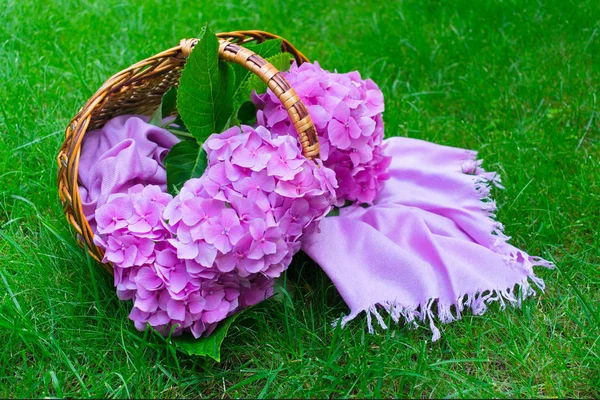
x: 168, y: 292
x: 244, y: 233
x: 190, y: 261
x: 347, y: 112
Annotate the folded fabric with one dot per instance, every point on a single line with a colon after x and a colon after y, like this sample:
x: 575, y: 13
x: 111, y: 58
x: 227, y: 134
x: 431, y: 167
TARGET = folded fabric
x: 125, y: 152
x: 429, y: 245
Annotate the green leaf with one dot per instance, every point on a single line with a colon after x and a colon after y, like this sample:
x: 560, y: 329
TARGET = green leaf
x: 184, y: 161
x: 206, y: 346
x: 247, y: 113
x: 166, y: 107
x: 180, y: 133
x: 335, y: 212
x: 204, y: 98
x: 156, y: 118
x: 169, y: 101
x: 266, y: 49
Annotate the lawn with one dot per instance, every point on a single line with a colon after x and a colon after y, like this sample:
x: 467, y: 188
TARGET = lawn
x: 516, y: 80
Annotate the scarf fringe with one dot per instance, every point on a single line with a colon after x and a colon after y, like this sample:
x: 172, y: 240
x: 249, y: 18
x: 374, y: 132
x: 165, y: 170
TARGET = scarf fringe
x: 434, y: 311
x: 478, y: 301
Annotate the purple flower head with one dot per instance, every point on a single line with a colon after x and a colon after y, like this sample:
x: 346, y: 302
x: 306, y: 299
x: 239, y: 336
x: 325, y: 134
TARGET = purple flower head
x: 253, y: 155
x: 146, y: 301
x: 246, y: 234
x: 264, y: 239
x: 191, y: 261
x: 146, y: 215
x: 114, y: 215
x: 198, y: 209
x: 156, y: 195
x: 299, y: 186
x: 128, y: 250
x: 285, y: 163
x: 147, y: 278
x: 239, y: 259
x: 260, y: 289
x: 343, y: 128
x: 294, y: 220
x: 257, y: 182
x: 225, y: 231
x: 180, y: 309
x: 220, y: 146
x: 247, y: 209
x: 347, y: 112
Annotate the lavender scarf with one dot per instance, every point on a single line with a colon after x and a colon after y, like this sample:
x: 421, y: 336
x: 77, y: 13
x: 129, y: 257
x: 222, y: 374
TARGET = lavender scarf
x: 429, y: 242
x: 428, y: 247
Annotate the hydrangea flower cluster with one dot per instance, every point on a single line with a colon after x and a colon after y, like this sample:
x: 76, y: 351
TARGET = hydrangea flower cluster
x: 190, y: 261
x: 347, y: 112
x: 246, y: 214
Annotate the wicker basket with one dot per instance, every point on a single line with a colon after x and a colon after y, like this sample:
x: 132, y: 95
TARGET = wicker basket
x: 139, y: 90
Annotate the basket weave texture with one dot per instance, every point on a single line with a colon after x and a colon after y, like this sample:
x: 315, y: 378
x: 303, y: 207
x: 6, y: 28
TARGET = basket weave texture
x: 139, y: 90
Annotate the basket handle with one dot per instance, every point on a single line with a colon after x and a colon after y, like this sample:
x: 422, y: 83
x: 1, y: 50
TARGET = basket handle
x: 274, y: 79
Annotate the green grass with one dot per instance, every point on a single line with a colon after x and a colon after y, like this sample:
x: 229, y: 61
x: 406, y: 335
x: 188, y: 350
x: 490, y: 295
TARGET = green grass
x: 517, y: 80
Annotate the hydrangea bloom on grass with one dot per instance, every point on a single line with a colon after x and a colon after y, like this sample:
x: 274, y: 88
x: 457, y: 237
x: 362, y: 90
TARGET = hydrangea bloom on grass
x: 165, y: 293
x: 189, y: 262
x: 347, y: 112
x: 248, y: 211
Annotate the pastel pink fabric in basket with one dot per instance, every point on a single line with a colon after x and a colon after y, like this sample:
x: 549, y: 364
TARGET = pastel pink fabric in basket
x: 427, y: 249
x: 127, y: 151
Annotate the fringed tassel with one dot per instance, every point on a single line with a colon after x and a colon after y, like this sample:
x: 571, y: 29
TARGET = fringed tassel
x: 477, y: 303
